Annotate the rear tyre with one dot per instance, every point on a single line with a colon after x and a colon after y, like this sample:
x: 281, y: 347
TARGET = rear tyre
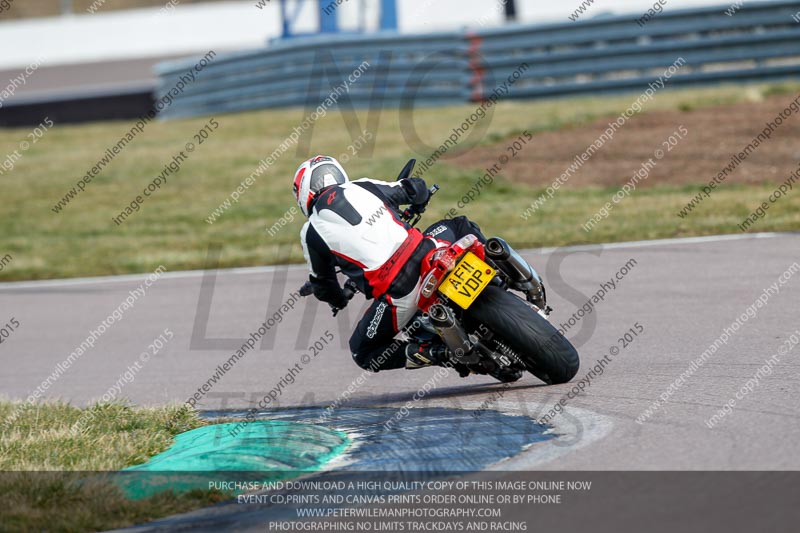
x: 546, y: 353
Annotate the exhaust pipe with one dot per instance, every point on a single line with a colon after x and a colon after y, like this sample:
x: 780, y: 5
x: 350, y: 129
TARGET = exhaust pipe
x: 452, y: 334
x: 522, y: 276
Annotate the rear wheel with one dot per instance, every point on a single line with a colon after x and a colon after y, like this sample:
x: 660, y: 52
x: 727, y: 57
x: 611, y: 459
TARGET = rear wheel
x: 546, y: 353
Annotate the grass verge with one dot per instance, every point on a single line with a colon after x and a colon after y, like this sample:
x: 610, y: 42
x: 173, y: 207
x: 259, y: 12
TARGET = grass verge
x: 171, y: 228
x: 39, y: 449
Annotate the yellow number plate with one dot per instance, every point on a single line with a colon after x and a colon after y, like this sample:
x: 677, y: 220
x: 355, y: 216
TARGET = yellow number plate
x: 467, y: 280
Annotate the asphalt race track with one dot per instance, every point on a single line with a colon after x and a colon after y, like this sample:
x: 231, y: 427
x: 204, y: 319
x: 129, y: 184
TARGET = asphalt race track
x: 683, y: 294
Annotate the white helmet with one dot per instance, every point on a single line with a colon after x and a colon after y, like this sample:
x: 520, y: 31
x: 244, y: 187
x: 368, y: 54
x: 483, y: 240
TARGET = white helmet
x: 314, y: 175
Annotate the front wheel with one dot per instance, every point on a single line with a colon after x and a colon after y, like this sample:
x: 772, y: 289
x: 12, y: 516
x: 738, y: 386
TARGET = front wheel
x: 546, y: 353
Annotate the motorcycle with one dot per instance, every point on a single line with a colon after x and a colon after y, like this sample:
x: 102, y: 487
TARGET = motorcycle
x: 469, y: 300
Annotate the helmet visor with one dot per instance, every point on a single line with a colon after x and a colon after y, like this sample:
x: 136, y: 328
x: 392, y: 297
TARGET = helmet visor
x: 326, y: 175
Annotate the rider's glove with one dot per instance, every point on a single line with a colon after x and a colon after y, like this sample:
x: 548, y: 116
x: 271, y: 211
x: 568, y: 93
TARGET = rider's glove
x: 417, y: 192
x: 329, y: 291
x: 341, y: 304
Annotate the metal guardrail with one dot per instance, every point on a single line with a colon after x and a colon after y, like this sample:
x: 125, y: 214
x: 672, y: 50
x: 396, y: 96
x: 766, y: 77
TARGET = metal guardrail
x: 430, y: 69
x: 761, y: 41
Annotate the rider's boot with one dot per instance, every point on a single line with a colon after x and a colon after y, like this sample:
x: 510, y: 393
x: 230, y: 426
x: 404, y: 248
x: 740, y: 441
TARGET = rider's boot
x: 431, y: 354
x: 425, y: 354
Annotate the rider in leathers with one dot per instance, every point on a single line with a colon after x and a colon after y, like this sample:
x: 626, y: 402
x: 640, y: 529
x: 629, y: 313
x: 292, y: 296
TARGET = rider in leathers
x: 356, y: 226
